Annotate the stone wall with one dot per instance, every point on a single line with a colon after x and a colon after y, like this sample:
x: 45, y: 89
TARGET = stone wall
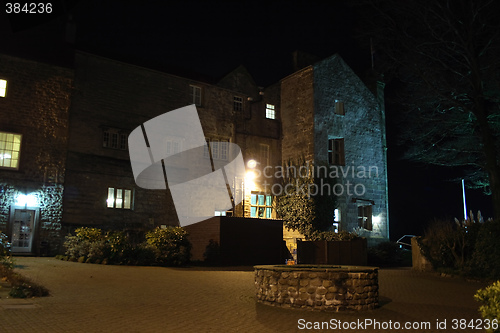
x: 112, y: 94
x: 36, y: 106
x: 328, y: 288
x: 363, y: 130
x: 297, y: 116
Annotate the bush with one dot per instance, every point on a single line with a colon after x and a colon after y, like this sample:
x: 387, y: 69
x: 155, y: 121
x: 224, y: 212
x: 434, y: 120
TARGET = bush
x: 330, y: 236
x: 117, y: 247
x: 142, y: 254
x: 89, y: 234
x: 212, y: 252
x: 5, y: 256
x: 164, y: 246
x: 22, y: 287
x: 450, y: 244
x: 486, y: 257
x: 171, y: 245
x: 490, y: 308
x: 388, y: 254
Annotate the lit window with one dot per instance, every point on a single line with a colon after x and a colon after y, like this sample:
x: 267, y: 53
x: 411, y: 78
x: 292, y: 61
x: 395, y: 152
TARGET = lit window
x: 339, y: 107
x: 3, y: 88
x: 119, y: 198
x: 114, y: 138
x: 336, y: 155
x: 264, y: 155
x: 261, y: 206
x: 195, y: 95
x: 10, y: 150
x: 365, y: 217
x: 218, y: 147
x: 220, y: 213
x: 270, y: 112
x: 237, y: 103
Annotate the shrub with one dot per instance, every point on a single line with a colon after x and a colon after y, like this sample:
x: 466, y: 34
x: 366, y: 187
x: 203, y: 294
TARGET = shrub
x: 117, y: 246
x: 5, y: 256
x: 212, y: 252
x: 330, y: 235
x: 450, y: 245
x: 171, y: 245
x: 96, y: 251
x: 486, y: 257
x: 388, y: 254
x: 89, y: 234
x: 22, y: 287
x: 489, y: 297
x: 142, y: 254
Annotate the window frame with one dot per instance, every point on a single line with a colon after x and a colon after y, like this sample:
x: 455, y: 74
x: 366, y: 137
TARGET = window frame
x: 115, y: 194
x: 270, y: 111
x: 267, y: 207
x: 365, y: 213
x: 12, y: 151
x: 339, y: 108
x: 237, y: 103
x: 264, y: 154
x: 195, y: 94
x: 336, y: 151
x: 219, y: 148
x: 114, y: 138
x: 3, y: 90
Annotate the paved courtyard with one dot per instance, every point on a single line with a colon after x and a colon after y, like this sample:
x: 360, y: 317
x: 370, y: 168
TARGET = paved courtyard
x: 99, y: 298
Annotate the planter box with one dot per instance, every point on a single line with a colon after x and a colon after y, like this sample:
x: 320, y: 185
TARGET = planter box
x: 239, y: 241
x: 353, y: 252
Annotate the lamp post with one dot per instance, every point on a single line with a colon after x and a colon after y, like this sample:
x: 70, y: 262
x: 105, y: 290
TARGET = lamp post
x: 248, y: 181
x: 463, y: 196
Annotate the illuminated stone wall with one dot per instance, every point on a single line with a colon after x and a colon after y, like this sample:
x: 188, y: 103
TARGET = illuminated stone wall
x: 309, y: 120
x: 36, y: 106
x: 327, y: 288
x: 363, y: 130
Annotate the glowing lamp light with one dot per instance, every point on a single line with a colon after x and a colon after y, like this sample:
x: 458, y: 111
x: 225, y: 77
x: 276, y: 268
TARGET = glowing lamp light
x: 250, y: 176
x: 27, y: 200
x: 249, y: 181
x: 376, y: 219
x: 252, y: 164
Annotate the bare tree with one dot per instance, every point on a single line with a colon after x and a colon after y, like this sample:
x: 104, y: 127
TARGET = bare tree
x: 446, y: 56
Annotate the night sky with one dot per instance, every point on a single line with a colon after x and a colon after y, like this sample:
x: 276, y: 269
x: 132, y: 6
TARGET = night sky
x: 212, y: 38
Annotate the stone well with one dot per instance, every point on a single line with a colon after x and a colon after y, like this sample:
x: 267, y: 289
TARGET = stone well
x: 317, y: 287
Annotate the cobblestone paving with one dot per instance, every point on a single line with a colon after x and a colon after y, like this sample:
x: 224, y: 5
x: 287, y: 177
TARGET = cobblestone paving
x: 99, y: 298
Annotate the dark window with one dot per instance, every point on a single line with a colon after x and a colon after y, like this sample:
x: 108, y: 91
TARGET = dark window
x: 336, y: 155
x: 114, y: 138
x: 237, y: 103
x: 365, y: 217
x: 195, y: 95
x: 339, y: 108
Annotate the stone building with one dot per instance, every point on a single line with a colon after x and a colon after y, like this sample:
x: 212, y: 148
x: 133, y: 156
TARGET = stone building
x: 111, y: 98
x: 330, y: 117
x: 34, y: 108
x: 72, y: 127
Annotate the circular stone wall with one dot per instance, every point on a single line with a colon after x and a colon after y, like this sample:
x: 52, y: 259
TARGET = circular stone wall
x: 319, y: 287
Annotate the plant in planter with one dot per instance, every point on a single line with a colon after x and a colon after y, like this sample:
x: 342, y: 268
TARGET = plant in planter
x: 301, y: 208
